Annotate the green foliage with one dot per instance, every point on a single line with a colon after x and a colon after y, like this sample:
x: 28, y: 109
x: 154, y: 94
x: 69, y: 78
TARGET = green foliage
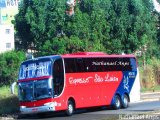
x: 112, y: 26
x: 23, y: 29
x: 9, y: 64
x: 54, y: 46
x: 155, y: 47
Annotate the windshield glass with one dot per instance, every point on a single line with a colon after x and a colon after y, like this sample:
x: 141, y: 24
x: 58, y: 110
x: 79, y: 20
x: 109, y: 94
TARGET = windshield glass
x: 41, y: 89
x: 35, y: 90
x: 26, y: 91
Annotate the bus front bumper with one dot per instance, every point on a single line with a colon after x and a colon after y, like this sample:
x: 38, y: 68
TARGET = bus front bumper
x: 48, y: 107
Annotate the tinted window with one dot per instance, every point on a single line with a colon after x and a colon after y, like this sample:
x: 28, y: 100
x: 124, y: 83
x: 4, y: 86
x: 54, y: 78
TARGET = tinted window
x: 133, y: 64
x: 80, y: 65
x: 94, y: 64
x: 108, y: 64
x: 73, y: 65
x: 58, y: 77
x: 100, y: 64
x: 70, y: 65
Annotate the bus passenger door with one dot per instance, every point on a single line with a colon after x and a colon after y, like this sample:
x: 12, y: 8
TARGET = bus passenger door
x: 58, y: 77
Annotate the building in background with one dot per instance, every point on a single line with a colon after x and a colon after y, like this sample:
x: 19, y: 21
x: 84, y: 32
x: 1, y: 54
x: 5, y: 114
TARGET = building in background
x: 8, y: 9
x: 156, y: 5
x: 7, y: 38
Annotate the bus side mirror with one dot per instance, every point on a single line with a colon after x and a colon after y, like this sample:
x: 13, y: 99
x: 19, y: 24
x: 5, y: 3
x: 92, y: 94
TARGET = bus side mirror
x: 12, y: 87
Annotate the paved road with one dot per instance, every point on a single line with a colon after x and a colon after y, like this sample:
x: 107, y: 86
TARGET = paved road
x: 149, y: 104
x: 105, y: 113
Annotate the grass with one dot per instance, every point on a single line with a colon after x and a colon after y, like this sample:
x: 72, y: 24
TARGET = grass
x: 153, y: 89
x: 8, y: 102
x: 5, y: 91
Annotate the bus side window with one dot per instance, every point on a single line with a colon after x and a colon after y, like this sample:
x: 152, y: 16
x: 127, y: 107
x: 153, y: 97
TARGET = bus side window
x: 99, y: 66
x: 80, y: 65
x: 89, y: 64
x: 120, y: 67
x: 94, y: 64
x: 127, y: 66
x: 109, y: 64
x: 133, y: 64
x: 70, y: 65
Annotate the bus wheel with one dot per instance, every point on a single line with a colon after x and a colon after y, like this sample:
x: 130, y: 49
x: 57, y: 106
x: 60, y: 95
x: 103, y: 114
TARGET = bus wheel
x: 125, y: 101
x: 70, y: 108
x: 117, y: 102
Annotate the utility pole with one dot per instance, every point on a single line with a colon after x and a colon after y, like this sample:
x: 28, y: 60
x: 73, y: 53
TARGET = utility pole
x: 144, y: 49
x: 153, y: 79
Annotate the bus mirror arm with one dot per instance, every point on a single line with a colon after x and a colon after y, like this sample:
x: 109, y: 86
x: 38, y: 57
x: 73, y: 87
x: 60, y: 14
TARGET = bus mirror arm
x: 12, y: 87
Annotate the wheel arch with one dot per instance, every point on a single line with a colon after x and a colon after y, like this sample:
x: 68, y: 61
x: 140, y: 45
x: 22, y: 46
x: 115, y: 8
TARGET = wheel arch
x: 73, y: 100
x: 114, y: 97
x: 116, y: 101
x: 127, y: 94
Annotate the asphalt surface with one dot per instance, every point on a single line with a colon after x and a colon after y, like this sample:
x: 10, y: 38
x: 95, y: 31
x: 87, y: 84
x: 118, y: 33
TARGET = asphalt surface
x: 148, y: 105
x: 144, y: 108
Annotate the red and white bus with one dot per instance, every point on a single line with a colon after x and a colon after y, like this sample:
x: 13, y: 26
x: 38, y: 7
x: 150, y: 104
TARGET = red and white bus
x: 78, y: 80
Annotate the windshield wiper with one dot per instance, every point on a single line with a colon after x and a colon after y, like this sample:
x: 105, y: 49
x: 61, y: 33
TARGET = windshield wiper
x: 38, y: 98
x: 26, y: 100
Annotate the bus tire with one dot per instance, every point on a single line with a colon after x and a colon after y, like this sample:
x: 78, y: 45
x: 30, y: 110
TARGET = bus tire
x: 125, y: 101
x: 70, y: 108
x: 117, y: 102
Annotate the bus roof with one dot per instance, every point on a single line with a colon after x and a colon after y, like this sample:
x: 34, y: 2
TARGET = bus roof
x: 81, y: 55
x: 41, y: 58
x: 94, y: 54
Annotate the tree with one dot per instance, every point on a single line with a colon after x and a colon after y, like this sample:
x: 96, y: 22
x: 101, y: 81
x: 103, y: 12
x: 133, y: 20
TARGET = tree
x: 97, y: 25
x: 9, y: 64
x: 23, y: 28
x: 153, y: 45
x: 129, y: 22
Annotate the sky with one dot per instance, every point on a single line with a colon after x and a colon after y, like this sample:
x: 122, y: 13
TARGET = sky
x: 156, y: 5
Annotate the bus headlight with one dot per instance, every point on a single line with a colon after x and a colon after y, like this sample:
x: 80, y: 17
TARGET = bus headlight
x: 50, y: 104
x: 22, y: 107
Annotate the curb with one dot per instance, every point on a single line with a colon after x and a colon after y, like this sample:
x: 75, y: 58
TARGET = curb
x: 150, y: 96
x: 149, y: 93
x: 149, y: 100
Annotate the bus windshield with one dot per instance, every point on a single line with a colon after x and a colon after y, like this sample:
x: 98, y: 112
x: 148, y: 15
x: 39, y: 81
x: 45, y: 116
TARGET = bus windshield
x: 35, y: 69
x: 35, y: 90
